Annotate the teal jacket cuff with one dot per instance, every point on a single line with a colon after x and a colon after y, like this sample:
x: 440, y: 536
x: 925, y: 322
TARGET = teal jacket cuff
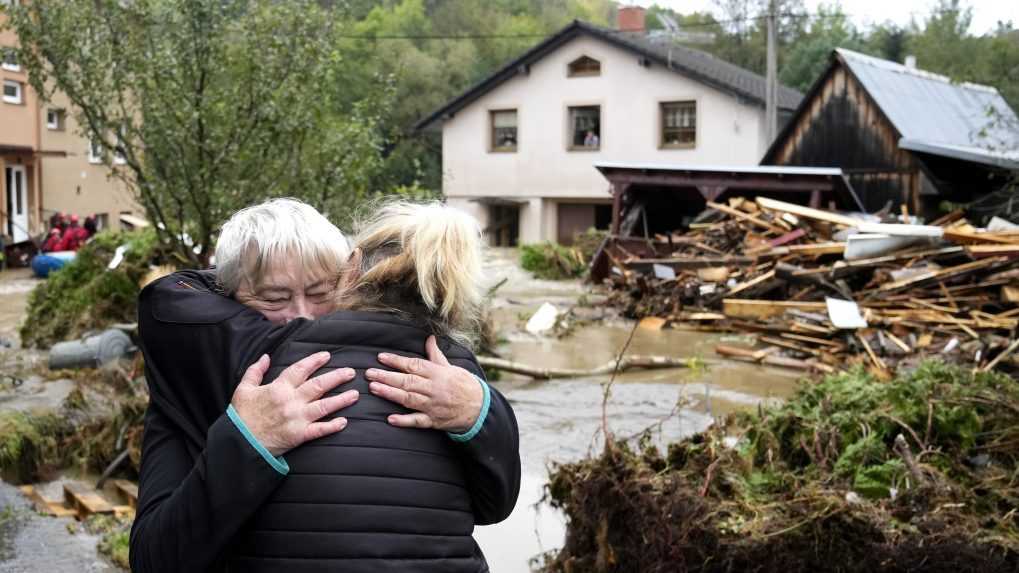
x: 485, y: 404
x: 277, y: 463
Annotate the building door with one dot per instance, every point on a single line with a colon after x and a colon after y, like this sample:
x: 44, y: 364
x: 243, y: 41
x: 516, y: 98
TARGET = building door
x: 576, y: 218
x: 17, y: 203
x: 503, y: 225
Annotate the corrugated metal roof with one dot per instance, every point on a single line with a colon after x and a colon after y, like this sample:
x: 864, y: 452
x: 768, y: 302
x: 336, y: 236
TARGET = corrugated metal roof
x: 935, y: 115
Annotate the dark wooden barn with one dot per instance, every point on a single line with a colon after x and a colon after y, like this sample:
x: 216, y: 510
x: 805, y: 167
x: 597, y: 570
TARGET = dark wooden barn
x: 901, y: 135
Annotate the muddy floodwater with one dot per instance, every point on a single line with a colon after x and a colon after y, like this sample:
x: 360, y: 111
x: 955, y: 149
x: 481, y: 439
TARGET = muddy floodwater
x: 560, y: 420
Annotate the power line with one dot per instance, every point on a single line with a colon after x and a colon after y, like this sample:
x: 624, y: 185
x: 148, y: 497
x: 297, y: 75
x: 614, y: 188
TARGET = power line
x: 707, y: 24
x: 444, y: 37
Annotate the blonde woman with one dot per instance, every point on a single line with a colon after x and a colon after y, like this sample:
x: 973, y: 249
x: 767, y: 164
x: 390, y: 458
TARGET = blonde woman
x: 395, y: 484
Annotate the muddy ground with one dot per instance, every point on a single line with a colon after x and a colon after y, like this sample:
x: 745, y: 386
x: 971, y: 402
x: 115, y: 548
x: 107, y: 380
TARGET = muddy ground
x: 559, y: 420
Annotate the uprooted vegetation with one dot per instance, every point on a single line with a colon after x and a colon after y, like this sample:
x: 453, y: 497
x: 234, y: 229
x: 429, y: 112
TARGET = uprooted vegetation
x: 98, y: 420
x: 85, y: 295
x: 552, y: 261
x: 850, y: 474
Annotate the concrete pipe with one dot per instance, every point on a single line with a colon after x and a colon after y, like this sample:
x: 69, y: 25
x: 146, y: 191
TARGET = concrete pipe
x: 90, y: 352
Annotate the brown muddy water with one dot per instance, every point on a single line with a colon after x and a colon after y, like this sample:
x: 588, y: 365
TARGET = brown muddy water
x: 560, y: 420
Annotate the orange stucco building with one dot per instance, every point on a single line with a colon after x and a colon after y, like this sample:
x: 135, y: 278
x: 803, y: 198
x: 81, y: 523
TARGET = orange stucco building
x: 45, y: 164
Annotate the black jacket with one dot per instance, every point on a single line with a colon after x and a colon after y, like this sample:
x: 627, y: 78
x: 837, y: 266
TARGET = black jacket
x: 207, y: 495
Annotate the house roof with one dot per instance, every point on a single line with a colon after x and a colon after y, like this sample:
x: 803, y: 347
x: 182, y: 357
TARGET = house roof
x: 769, y: 179
x: 695, y: 64
x: 931, y: 113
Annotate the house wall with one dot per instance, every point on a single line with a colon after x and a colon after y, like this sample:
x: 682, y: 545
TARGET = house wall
x: 840, y: 126
x: 18, y: 128
x: 72, y: 184
x: 542, y: 172
x: 69, y: 184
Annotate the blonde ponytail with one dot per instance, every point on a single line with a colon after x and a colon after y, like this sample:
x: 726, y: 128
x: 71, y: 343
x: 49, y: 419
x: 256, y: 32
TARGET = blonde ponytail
x: 415, y: 255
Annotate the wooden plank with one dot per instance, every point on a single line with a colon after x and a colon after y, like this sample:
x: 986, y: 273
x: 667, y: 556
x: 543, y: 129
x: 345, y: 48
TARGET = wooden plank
x: 870, y: 352
x: 790, y: 345
x: 813, y: 340
x: 85, y: 500
x: 938, y: 275
x: 713, y: 274
x: 691, y: 262
x: 932, y: 306
x: 994, y: 250
x: 127, y: 489
x: 895, y: 340
x: 751, y: 283
x: 745, y: 217
x: 1004, y: 354
x: 124, y: 510
x: 800, y: 326
x: 751, y: 355
x: 1010, y: 294
x: 829, y: 248
x: 787, y: 238
x: 754, y: 309
x: 970, y: 238
x: 33, y: 495
x: 699, y: 316
x: 810, y: 213
x: 652, y: 323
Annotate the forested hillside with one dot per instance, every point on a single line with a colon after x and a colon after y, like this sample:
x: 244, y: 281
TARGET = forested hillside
x: 433, y: 49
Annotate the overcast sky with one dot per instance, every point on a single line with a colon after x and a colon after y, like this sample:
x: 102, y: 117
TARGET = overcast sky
x: 986, y: 13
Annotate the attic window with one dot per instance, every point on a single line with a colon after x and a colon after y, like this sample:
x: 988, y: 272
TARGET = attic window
x: 584, y: 66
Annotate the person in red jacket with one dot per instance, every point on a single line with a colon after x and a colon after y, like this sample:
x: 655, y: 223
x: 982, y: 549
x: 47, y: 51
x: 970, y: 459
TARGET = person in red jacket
x: 74, y: 237
x: 52, y: 242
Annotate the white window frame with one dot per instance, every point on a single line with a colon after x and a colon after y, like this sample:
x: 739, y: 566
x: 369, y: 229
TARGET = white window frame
x: 58, y: 116
x: 15, y: 99
x: 118, y: 157
x: 95, y: 152
x: 15, y: 67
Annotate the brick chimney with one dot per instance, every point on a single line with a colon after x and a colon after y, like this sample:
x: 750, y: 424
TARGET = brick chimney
x: 631, y: 19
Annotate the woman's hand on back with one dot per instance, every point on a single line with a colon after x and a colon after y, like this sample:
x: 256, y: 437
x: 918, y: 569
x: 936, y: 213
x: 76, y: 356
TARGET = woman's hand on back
x: 445, y: 397
x: 285, y: 413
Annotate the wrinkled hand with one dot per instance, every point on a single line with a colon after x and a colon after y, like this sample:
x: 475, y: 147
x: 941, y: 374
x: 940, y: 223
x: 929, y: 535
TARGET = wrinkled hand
x: 446, y: 397
x: 284, y: 413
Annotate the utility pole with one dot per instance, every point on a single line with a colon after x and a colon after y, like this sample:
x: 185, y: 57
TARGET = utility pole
x: 771, y: 83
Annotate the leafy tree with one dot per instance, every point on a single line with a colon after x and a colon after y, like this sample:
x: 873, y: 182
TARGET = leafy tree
x: 887, y: 41
x: 808, y: 57
x: 206, y: 106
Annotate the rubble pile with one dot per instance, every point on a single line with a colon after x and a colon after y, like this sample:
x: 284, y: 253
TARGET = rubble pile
x: 823, y: 290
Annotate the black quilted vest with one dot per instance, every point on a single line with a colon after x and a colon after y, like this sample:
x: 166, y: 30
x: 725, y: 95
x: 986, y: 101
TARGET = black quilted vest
x: 372, y: 497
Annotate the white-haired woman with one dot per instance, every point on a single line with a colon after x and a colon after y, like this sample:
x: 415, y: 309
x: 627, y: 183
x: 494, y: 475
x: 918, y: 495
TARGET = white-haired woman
x: 377, y: 495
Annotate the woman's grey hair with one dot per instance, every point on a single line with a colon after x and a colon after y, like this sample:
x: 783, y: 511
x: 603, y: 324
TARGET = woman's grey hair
x: 278, y: 229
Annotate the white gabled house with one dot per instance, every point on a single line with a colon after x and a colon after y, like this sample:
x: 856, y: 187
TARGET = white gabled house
x: 518, y: 148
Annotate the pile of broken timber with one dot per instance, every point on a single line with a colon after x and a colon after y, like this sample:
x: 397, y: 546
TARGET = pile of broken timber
x: 81, y: 501
x: 901, y: 290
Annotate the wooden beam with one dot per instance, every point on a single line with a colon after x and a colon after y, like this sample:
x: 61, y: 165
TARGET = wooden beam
x: 754, y: 309
x: 85, y: 500
x: 746, y: 217
x: 807, y: 212
x: 938, y: 275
